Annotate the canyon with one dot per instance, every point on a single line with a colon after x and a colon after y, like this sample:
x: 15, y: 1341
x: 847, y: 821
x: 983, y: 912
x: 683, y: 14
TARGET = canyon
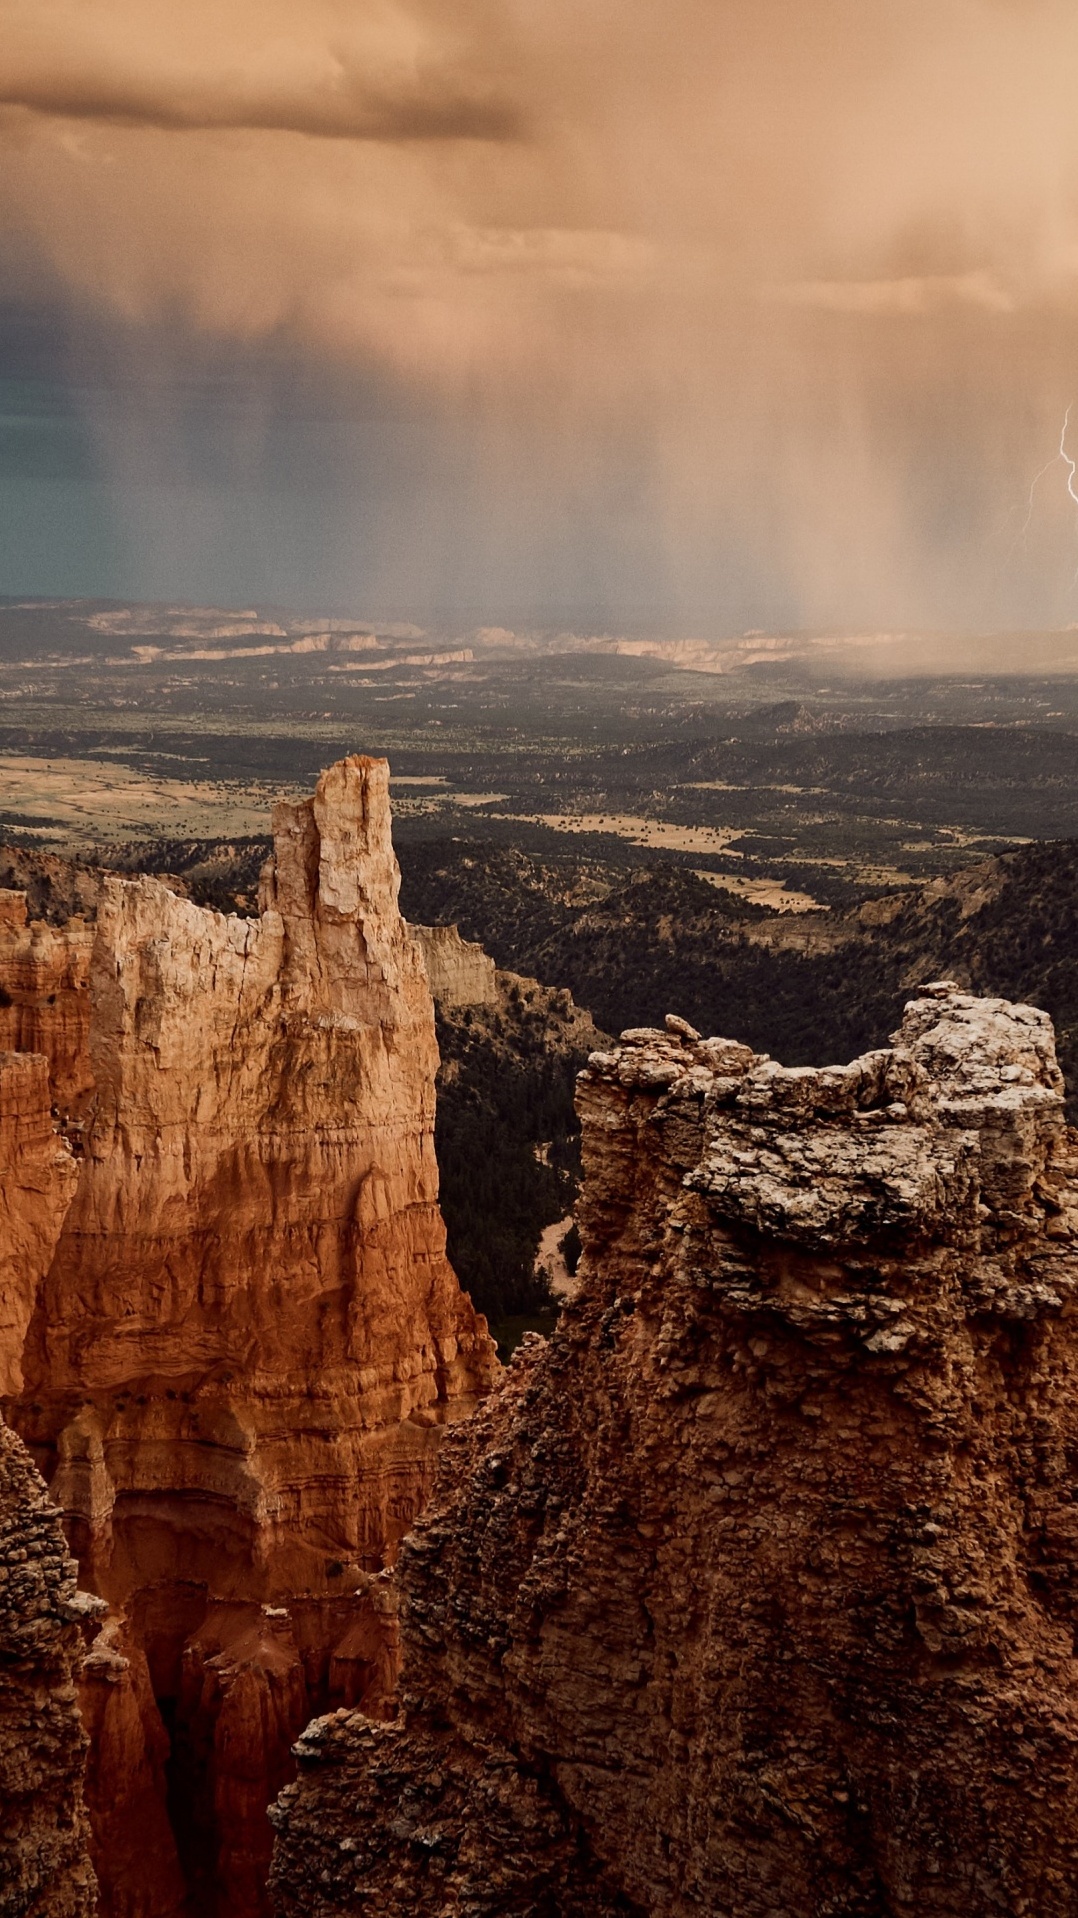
x: 235, y: 1366
x: 753, y: 1590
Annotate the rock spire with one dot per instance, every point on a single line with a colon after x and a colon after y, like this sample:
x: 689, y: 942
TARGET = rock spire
x: 236, y: 1370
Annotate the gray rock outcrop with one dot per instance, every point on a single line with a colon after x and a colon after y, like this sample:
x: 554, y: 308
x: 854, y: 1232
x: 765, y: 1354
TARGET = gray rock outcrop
x: 755, y: 1590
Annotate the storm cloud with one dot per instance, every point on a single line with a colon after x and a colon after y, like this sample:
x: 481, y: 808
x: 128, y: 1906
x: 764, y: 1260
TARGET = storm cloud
x: 790, y: 292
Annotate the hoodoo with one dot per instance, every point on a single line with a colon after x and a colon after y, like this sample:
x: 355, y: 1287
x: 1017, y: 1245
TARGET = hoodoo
x: 754, y: 1591
x: 236, y: 1369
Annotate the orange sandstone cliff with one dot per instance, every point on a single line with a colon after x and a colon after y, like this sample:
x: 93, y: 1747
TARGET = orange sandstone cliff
x: 236, y: 1370
x: 754, y: 1591
x: 38, y: 1176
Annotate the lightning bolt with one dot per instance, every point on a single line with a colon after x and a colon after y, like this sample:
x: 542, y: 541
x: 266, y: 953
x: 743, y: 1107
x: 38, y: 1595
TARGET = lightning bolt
x: 1037, y: 477
x: 1072, y: 489
x: 1072, y: 469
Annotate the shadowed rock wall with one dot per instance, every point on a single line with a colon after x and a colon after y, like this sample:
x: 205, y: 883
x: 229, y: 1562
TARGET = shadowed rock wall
x: 44, y: 1834
x: 45, y: 1866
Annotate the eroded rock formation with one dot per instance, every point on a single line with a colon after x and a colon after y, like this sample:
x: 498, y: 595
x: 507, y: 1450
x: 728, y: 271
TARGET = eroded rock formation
x: 754, y: 1592
x: 238, y: 1365
x: 44, y: 1836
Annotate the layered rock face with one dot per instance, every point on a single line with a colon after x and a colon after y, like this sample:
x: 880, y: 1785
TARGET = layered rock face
x: 38, y: 1175
x: 45, y: 997
x: 44, y: 1835
x: 238, y: 1366
x: 460, y: 972
x: 754, y: 1592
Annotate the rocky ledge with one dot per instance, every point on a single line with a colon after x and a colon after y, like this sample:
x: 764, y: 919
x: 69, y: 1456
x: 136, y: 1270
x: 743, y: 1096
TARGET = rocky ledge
x: 754, y: 1591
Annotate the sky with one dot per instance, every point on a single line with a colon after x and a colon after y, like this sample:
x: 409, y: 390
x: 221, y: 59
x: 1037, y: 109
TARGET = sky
x: 719, y: 315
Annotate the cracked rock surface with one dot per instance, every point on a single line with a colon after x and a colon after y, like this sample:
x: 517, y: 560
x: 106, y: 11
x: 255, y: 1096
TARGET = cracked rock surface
x: 754, y: 1591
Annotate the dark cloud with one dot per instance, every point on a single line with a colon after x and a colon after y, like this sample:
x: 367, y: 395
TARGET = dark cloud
x: 434, y: 107
x: 795, y: 287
